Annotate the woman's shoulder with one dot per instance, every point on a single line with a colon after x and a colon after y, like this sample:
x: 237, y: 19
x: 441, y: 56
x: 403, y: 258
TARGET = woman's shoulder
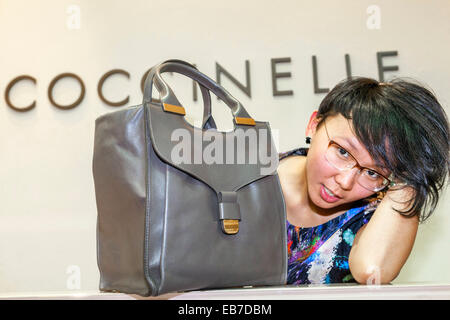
x: 291, y: 163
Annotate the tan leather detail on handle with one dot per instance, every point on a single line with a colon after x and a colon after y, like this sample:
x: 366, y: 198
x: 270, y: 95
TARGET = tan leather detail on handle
x: 174, y: 109
x: 230, y: 226
x: 246, y: 121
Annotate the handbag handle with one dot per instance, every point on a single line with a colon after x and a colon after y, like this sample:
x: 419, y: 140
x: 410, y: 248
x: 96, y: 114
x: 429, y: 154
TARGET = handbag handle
x: 208, y: 121
x: 171, y: 104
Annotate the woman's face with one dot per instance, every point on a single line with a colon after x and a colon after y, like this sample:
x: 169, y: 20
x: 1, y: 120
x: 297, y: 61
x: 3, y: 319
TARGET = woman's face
x: 329, y: 187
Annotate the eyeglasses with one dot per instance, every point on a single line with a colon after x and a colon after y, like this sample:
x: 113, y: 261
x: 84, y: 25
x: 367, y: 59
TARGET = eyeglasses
x: 342, y: 160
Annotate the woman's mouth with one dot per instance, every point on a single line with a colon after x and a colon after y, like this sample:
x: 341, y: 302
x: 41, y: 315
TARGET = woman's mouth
x: 327, y: 195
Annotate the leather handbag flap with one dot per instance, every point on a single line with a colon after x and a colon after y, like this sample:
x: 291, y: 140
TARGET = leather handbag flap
x: 225, y: 161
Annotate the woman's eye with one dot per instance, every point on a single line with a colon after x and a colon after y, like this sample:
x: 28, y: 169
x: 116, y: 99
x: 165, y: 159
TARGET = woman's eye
x: 343, y: 152
x: 372, y: 174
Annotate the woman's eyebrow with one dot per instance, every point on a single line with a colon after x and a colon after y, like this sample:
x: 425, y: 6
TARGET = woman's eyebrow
x: 353, y: 147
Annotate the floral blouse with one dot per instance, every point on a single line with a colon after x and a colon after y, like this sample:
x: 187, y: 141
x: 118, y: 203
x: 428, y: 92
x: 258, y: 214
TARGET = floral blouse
x: 320, y: 254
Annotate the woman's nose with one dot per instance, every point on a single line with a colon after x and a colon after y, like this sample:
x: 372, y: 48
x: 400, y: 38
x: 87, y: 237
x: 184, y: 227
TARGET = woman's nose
x: 346, y: 179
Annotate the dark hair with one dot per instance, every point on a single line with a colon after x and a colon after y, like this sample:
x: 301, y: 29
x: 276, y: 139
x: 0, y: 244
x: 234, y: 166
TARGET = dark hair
x: 403, y: 127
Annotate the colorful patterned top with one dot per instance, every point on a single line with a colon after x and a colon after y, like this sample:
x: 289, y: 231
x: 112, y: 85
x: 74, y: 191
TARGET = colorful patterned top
x: 320, y: 254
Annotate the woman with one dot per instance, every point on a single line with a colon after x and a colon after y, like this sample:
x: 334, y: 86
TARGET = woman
x: 377, y: 162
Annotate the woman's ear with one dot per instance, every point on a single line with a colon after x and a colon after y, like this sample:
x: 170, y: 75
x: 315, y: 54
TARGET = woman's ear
x: 312, y: 124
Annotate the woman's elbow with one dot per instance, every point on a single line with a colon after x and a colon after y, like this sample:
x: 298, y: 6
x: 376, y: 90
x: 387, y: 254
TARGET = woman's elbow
x: 373, y: 275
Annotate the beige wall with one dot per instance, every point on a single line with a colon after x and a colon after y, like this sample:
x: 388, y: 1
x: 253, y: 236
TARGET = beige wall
x: 47, y: 201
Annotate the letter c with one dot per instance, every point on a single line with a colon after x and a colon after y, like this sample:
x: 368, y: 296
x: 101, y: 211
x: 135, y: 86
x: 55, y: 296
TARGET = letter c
x: 100, y: 87
x: 8, y: 89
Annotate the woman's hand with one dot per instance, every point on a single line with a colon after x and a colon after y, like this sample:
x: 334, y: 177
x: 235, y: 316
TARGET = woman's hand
x: 401, y: 196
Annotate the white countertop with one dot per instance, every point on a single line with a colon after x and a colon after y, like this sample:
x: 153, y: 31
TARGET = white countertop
x: 413, y: 291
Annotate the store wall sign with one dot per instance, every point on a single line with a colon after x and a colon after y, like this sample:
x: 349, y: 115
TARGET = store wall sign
x: 275, y: 75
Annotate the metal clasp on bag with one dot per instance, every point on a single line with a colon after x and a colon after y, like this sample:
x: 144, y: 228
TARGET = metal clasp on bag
x: 245, y: 121
x: 230, y: 226
x: 174, y: 109
x: 229, y: 212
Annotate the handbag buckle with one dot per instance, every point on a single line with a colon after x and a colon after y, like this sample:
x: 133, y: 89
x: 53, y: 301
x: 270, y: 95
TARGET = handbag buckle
x: 230, y: 226
x: 229, y: 212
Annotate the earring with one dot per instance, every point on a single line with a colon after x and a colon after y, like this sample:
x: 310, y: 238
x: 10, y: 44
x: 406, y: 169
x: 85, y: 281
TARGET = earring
x: 308, y: 140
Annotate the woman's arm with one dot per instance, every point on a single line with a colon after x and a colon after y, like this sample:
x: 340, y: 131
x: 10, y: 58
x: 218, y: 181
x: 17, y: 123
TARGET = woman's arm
x: 381, y: 247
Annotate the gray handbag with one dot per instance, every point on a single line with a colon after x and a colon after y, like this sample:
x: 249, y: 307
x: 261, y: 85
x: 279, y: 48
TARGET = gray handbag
x: 166, y: 224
